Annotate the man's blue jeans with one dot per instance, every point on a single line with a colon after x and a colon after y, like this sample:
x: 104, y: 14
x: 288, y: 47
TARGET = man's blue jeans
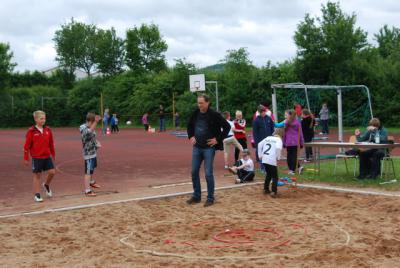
x: 198, y: 155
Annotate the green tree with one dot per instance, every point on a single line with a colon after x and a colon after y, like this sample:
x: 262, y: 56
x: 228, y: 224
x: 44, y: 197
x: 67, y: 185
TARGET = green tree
x: 110, y: 52
x: 388, y: 40
x: 84, y: 97
x: 6, y: 66
x: 145, y: 49
x: 325, y: 51
x: 237, y: 80
x: 76, y: 45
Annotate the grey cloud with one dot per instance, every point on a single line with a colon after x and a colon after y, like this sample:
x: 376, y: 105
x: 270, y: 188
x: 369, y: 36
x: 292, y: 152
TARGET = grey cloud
x: 201, y: 31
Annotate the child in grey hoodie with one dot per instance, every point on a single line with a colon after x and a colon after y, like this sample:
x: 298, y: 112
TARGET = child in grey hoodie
x: 89, y: 148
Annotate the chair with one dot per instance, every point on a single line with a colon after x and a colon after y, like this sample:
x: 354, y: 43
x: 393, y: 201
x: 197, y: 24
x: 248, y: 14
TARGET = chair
x: 385, y: 169
x: 343, y: 156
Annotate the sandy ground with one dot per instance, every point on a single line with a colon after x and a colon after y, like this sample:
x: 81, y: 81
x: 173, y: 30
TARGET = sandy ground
x: 301, y: 228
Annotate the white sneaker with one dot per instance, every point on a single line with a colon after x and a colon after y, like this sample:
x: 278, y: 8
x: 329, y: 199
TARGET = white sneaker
x: 237, y: 181
x: 226, y: 167
x: 301, y: 169
x: 38, y: 199
x: 48, y: 193
x: 291, y: 172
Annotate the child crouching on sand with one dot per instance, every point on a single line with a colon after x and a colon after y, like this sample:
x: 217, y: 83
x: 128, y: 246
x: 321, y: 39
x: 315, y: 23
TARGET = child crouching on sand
x: 269, y: 151
x: 90, y: 146
x: 244, y: 168
x: 39, y: 144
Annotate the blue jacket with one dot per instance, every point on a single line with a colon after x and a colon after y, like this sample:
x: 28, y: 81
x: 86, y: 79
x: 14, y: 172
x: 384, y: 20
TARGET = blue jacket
x: 262, y: 128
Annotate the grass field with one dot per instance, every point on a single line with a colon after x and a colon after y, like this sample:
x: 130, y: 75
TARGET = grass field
x: 342, y: 178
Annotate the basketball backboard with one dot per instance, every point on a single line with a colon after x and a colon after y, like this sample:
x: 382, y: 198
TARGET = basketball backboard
x: 197, y: 82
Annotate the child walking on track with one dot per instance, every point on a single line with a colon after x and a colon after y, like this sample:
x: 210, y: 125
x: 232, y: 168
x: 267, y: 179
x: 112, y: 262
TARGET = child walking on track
x: 90, y: 146
x: 39, y: 144
x: 269, y: 150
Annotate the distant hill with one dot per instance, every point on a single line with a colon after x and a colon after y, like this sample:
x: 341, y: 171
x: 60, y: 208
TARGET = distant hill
x: 219, y: 67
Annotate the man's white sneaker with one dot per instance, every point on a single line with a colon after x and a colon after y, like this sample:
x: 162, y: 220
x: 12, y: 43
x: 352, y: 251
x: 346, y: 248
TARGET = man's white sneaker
x: 38, y: 198
x: 49, y: 193
x: 291, y: 172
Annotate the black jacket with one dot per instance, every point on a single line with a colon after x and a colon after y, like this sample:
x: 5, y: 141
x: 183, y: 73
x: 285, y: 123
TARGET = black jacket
x: 218, y: 126
x: 307, y: 125
x: 262, y: 128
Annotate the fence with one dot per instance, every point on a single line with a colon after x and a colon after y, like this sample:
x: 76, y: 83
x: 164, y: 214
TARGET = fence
x: 16, y: 111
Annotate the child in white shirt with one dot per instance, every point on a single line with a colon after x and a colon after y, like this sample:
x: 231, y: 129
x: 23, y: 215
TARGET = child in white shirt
x: 244, y: 168
x: 269, y: 151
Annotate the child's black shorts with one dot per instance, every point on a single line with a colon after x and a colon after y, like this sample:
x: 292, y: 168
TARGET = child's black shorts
x: 90, y: 165
x: 41, y: 164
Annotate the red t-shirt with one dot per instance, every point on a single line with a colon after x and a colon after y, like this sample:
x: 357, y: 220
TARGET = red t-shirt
x: 239, y: 125
x: 298, y: 109
x: 39, y: 144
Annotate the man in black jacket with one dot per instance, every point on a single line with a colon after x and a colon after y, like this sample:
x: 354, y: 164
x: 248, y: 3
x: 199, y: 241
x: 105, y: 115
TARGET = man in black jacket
x: 206, y: 132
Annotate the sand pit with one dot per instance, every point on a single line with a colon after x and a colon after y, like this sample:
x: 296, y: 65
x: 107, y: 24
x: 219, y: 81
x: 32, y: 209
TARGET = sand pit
x: 301, y: 228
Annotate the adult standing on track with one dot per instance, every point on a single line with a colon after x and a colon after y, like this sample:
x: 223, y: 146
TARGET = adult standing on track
x: 324, y: 117
x: 206, y: 131
x: 161, y: 116
x: 106, y: 118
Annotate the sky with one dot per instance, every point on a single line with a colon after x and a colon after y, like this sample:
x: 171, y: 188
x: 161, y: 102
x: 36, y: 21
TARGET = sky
x: 199, y: 30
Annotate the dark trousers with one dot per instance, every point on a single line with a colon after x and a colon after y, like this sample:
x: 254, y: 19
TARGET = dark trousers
x: 243, y: 142
x: 162, y: 124
x: 370, y: 162
x: 114, y: 128
x: 292, y: 158
x: 308, y: 149
x: 324, y: 125
x: 309, y: 152
x: 271, y: 174
x: 146, y: 127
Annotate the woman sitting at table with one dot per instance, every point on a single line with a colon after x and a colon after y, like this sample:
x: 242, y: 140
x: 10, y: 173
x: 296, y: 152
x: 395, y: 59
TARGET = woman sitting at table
x: 370, y: 160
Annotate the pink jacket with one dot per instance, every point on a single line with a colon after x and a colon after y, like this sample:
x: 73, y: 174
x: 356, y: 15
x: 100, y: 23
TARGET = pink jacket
x: 293, y: 134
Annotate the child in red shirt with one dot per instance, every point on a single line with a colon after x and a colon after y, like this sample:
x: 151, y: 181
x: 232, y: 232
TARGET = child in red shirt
x: 39, y: 144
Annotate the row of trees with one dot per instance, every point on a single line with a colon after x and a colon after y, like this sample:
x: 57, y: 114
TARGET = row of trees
x: 330, y: 50
x: 92, y: 49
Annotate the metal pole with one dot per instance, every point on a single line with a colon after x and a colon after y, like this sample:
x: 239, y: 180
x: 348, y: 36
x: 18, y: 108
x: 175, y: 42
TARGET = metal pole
x: 308, y: 102
x: 173, y: 109
x: 274, y: 104
x: 216, y: 95
x: 340, y: 114
x: 369, y: 101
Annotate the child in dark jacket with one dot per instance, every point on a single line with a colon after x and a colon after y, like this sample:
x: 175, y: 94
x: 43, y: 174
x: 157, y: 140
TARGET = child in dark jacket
x: 307, y: 126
